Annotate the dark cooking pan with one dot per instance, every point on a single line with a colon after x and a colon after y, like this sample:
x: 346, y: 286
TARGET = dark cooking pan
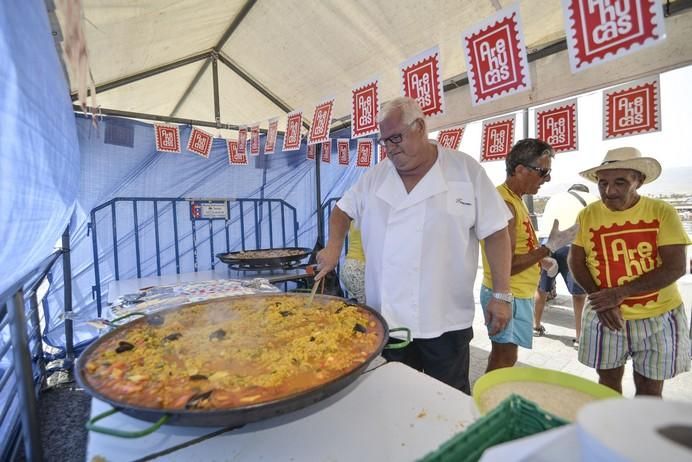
x: 264, y: 257
x: 225, y: 417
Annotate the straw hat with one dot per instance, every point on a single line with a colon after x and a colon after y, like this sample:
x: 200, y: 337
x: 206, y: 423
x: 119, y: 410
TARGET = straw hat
x: 629, y: 158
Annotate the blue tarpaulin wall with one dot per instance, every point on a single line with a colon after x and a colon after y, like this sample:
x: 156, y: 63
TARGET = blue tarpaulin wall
x: 133, y: 168
x: 39, y: 157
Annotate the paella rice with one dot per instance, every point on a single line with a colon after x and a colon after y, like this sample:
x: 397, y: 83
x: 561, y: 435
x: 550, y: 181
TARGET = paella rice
x: 219, y: 355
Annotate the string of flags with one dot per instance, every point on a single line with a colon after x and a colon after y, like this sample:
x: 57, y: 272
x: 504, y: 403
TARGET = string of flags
x: 495, y: 53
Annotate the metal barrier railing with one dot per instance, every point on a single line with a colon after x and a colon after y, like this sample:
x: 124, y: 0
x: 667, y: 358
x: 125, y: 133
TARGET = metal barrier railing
x: 22, y: 363
x: 143, y: 218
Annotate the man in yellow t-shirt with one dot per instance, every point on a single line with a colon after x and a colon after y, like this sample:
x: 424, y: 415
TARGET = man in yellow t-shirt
x: 528, y: 167
x: 628, y: 254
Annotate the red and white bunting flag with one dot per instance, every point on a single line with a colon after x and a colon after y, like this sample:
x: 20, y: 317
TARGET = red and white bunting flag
x: 234, y: 158
x: 200, y: 142
x: 343, y: 148
x: 364, y: 152
x: 450, y: 138
x: 292, y: 134
x: 321, y: 121
x: 498, y: 138
x: 270, y: 143
x: 167, y: 137
x: 254, y: 140
x: 327, y: 151
x: 365, y: 105
x: 632, y: 108
x: 242, y: 140
x: 421, y: 80
x: 557, y: 125
x: 495, y: 56
x: 311, y: 153
x: 603, y: 30
x: 383, y: 152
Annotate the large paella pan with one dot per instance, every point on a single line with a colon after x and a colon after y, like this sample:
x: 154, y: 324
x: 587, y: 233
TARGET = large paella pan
x: 232, y: 360
x: 259, y: 258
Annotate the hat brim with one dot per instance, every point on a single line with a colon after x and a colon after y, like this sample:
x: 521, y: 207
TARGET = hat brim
x: 648, y: 166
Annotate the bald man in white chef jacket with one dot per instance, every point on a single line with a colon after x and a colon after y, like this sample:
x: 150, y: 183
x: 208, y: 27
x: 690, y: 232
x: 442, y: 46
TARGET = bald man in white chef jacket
x: 422, y: 213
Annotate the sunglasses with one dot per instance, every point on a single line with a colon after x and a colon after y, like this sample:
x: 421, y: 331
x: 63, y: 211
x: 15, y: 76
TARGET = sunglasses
x: 542, y: 172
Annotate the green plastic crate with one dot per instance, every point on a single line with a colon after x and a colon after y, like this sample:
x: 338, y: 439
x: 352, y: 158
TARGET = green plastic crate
x: 514, y: 418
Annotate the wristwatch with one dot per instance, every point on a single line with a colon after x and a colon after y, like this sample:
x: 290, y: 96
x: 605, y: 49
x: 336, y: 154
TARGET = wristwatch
x: 504, y: 296
x: 550, y: 252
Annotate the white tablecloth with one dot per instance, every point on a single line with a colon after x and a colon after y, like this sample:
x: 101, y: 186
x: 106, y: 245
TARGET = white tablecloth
x: 390, y: 413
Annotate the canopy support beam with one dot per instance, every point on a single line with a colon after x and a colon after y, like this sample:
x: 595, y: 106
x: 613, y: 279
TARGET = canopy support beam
x: 148, y: 73
x: 156, y: 117
x: 254, y: 83
x: 217, y: 48
x: 257, y: 85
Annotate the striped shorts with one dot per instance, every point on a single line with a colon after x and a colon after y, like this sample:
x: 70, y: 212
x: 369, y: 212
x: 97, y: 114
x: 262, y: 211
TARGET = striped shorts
x: 659, y: 346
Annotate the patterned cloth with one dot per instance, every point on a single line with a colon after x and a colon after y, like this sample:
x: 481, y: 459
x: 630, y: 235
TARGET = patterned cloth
x: 659, y: 346
x: 353, y: 277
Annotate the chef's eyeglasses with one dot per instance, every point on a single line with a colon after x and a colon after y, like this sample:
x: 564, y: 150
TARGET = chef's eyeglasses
x: 395, y: 139
x: 542, y: 172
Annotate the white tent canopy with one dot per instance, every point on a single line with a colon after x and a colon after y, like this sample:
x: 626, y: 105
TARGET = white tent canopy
x: 279, y: 55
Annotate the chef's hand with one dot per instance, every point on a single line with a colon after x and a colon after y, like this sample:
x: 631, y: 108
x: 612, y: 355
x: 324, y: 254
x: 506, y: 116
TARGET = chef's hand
x: 498, y: 314
x: 559, y: 239
x: 606, y: 299
x: 327, y: 259
x: 612, y: 319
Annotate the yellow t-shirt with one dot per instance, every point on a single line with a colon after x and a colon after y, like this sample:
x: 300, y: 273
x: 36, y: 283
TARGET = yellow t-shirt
x: 523, y: 285
x: 621, y: 246
x: 355, y: 246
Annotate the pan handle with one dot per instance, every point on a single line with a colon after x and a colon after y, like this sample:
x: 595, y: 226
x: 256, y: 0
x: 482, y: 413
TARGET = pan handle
x: 90, y: 425
x: 402, y: 344
x: 134, y: 313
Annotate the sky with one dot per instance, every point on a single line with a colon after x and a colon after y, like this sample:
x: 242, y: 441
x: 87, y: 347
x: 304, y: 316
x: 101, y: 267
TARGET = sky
x: 671, y: 146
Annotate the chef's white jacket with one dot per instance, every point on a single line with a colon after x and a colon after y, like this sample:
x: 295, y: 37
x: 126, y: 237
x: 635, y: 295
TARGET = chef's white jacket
x: 421, y: 248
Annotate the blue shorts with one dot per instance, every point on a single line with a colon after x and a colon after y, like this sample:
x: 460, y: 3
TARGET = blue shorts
x: 546, y: 283
x: 519, y: 329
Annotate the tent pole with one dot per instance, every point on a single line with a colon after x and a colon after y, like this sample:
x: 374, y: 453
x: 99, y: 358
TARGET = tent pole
x: 529, y: 197
x: 215, y: 78
x: 28, y: 406
x: 67, y: 288
x: 318, y: 194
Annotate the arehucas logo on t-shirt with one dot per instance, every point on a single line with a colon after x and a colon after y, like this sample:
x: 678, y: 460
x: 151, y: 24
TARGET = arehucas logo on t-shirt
x: 625, y: 252
x: 531, y: 241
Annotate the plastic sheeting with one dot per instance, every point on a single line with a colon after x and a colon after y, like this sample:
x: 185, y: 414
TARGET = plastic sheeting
x: 111, y: 171
x: 39, y: 158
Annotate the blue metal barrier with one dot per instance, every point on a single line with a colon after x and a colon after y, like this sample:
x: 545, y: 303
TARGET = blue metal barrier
x: 22, y: 360
x: 136, y: 224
